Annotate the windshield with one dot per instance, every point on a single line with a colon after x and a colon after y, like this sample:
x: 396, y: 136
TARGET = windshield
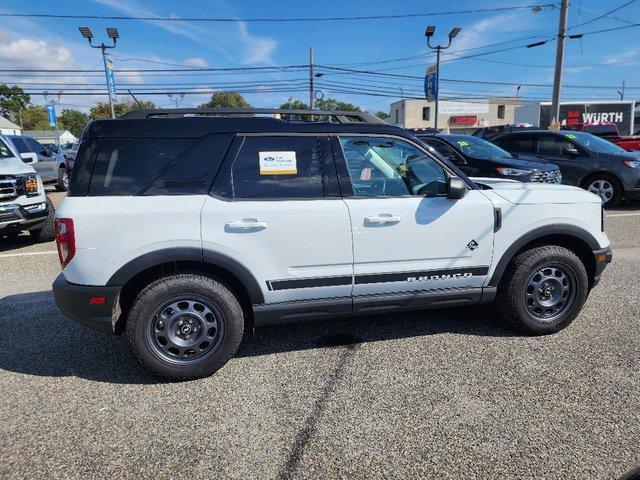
x: 476, y: 147
x: 4, y: 150
x: 593, y: 143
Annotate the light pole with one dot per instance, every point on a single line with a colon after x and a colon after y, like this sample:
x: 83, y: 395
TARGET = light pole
x: 177, y: 99
x: 438, y: 48
x: 53, y: 102
x: 108, y: 69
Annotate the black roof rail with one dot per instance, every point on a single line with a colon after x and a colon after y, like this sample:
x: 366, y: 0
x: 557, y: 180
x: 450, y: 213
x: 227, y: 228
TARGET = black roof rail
x: 339, y: 116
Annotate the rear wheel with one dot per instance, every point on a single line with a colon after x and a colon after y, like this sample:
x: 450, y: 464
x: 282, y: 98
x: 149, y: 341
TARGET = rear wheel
x: 543, y: 290
x: 185, y: 326
x: 607, y: 187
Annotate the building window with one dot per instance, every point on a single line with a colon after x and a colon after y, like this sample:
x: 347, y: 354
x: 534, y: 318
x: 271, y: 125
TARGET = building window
x: 426, y: 113
x: 397, y: 115
x: 500, y: 111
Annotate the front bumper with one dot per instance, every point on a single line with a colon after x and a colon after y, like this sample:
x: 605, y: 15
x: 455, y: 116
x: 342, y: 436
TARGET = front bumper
x: 603, y: 257
x: 74, y: 301
x: 21, y: 217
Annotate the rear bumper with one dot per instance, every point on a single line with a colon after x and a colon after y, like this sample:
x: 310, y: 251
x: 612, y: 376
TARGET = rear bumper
x: 74, y: 302
x: 603, y: 258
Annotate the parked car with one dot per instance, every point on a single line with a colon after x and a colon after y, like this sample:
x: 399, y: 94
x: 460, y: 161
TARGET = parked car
x: 609, y: 131
x: 585, y: 160
x: 24, y: 205
x: 52, y: 147
x: 479, y: 158
x: 186, y: 230
x: 486, y: 132
x: 50, y: 166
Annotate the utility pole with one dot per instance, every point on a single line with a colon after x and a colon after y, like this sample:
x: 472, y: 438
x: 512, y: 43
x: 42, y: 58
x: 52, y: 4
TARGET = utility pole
x: 557, y: 76
x: 621, y: 92
x: 311, y: 78
x: 429, y: 33
x: 108, y: 67
x: 177, y: 99
x: 52, y: 102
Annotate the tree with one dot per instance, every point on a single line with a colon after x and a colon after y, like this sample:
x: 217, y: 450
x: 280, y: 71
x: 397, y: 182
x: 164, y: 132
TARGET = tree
x: 12, y: 100
x: 333, y: 104
x: 103, y: 110
x: 226, y: 100
x: 73, y: 120
x: 295, y: 105
x: 382, y: 115
x: 35, y: 118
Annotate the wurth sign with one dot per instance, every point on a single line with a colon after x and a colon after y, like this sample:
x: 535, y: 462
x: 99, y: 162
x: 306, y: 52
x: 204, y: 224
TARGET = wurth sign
x: 574, y: 115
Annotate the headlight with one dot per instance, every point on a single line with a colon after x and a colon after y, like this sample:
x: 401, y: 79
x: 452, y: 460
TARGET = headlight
x: 513, y: 172
x: 632, y: 163
x: 30, y: 183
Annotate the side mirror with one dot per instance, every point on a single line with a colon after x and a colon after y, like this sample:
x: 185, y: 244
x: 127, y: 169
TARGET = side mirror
x: 29, y: 157
x: 46, y: 153
x: 571, y: 151
x: 456, y: 188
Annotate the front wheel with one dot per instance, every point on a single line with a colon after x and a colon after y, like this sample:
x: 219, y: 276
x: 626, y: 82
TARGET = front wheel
x: 62, y: 185
x: 46, y: 231
x: 185, y: 326
x: 543, y: 290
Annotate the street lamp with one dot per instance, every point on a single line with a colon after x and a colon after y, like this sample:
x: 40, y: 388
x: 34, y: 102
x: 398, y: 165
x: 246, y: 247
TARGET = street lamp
x: 112, y: 33
x: 429, y: 32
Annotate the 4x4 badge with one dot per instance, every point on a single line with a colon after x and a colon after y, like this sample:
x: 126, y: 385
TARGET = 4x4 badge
x: 472, y: 245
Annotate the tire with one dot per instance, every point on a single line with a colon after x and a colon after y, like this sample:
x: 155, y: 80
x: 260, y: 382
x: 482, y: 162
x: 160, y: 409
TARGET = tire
x: 607, y: 187
x: 534, y: 280
x: 62, y: 184
x: 46, y: 231
x: 166, y: 308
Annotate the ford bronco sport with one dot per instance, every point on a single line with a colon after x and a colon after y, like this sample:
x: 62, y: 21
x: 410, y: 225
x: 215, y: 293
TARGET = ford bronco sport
x: 184, y: 228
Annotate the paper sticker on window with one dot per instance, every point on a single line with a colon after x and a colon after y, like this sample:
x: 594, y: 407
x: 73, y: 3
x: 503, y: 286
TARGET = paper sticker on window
x: 365, y: 174
x: 571, y: 135
x: 463, y: 143
x: 278, y: 163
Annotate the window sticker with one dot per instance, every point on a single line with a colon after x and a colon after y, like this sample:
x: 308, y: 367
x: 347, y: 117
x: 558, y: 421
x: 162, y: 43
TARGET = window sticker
x: 278, y: 163
x: 570, y: 135
x: 463, y: 143
x: 365, y: 174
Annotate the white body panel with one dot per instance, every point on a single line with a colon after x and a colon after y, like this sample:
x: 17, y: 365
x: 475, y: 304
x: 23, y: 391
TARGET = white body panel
x: 426, y: 234
x: 111, y: 231
x: 292, y: 240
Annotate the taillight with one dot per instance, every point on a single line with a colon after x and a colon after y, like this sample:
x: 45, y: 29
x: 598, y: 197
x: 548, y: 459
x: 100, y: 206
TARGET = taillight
x: 65, y: 240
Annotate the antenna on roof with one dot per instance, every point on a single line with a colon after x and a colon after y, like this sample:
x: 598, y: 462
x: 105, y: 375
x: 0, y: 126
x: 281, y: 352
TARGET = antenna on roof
x: 134, y: 97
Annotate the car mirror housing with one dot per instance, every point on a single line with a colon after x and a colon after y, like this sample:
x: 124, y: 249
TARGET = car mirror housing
x: 571, y: 151
x: 29, y: 157
x: 456, y: 188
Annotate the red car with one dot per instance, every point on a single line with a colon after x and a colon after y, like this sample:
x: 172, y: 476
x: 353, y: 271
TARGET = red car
x: 609, y: 131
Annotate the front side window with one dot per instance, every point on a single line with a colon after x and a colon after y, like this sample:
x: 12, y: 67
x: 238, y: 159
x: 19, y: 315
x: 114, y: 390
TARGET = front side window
x: 445, y: 150
x: 593, y: 143
x: 277, y: 167
x: 550, y: 145
x: 20, y: 145
x: 477, y: 147
x: 380, y: 166
x: 5, y: 151
x: 35, y: 146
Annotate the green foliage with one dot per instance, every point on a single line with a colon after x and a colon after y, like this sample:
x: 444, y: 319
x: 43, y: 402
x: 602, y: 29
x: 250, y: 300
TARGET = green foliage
x: 102, y: 110
x: 226, y: 100
x: 382, y: 115
x: 73, y: 120
x: 333, y: 104
x: 35, y: 118
x: 12, y: 100
x: 295, y: 105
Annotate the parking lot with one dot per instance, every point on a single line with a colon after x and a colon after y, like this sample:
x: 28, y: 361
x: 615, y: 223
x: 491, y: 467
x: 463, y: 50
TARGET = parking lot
x: 435, y: 394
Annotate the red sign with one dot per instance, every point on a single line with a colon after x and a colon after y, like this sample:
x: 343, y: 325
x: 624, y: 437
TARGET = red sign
x: 463, y: 120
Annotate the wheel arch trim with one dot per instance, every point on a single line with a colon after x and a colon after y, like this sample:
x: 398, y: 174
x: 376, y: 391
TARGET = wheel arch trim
x: 572, y: 231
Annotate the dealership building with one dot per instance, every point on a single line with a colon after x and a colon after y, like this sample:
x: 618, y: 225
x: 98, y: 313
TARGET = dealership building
x: 453, y: 116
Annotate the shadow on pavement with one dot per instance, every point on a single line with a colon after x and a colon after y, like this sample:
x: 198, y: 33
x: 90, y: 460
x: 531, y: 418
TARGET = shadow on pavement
x: 16, y: 242
x: 35, y: 339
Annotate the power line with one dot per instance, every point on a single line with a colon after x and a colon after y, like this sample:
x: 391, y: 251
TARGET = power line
x: 603, y: 15
x: 279, y: 20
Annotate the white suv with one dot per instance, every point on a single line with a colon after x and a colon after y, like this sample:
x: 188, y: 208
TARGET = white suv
x: 185, y: 228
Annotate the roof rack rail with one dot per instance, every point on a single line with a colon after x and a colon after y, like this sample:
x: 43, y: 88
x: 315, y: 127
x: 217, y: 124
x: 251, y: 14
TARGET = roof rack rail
x: 339, y: 116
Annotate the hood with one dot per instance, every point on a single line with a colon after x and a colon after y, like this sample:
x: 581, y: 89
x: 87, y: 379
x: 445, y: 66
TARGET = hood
x: 14, y: 166
x: 542, y: 193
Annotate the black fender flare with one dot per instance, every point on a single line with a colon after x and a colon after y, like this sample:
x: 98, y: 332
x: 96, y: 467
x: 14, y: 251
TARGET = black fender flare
x: 540, y: 232
x: 189, y: 254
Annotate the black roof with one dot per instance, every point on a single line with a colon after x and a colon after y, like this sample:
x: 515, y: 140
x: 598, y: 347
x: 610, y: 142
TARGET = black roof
x: 191, y: 123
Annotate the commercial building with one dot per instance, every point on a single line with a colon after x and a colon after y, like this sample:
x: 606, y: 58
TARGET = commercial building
x: 460, y: 116
x: 49, y: 136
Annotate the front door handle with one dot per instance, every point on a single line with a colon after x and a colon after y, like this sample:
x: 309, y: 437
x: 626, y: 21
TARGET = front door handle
x: 382, y: 219
x: 245, y: 225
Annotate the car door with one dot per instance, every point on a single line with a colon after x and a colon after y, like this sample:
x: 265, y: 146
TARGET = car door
x: 275, y: 208
x: 571, y: 158
x: 407, y: 235
x: 46, y: 165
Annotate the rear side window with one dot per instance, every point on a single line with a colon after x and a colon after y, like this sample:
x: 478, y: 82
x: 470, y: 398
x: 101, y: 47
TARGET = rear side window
x: 517, y: 143
x: 276, y: 167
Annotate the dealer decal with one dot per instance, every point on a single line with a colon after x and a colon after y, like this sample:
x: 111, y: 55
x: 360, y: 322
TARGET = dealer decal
x: 278, y: 163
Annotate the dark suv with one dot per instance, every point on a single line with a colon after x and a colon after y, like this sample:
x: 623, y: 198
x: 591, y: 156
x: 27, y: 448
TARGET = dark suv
x: 584, y: 160
x: 479, y: 158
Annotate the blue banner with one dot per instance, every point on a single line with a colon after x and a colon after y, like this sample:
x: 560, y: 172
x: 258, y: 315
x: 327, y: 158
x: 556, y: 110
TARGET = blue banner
x: 111, y: 79
x: 51, y: 113
x: 431, y: 83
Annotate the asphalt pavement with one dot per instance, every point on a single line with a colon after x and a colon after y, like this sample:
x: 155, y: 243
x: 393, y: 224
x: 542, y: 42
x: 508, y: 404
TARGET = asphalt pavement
x: 434, y: 394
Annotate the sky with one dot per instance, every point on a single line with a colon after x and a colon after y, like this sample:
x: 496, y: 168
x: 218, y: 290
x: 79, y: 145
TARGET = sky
x: 394, y: 50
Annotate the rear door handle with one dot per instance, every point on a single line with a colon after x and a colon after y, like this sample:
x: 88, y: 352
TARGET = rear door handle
x: 244, y: 225
x: 382, y: 219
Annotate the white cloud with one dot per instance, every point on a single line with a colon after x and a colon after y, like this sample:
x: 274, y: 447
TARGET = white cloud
x: 195, y: 62
x: 22, y: 52
x: 628, y: 56
x: 261, y: 48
